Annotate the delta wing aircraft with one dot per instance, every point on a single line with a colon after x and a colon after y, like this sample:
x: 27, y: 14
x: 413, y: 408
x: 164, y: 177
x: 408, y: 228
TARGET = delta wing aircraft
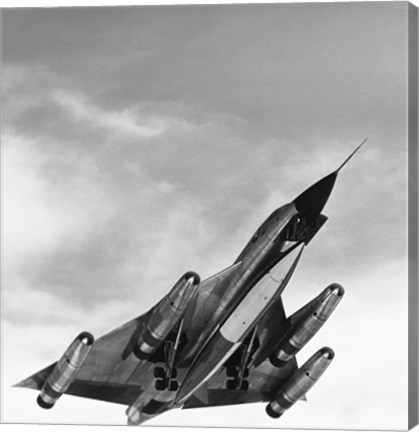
x: 223, y: 341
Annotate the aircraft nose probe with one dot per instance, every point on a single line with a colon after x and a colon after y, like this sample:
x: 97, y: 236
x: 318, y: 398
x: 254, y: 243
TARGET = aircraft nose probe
x: 311, y: 202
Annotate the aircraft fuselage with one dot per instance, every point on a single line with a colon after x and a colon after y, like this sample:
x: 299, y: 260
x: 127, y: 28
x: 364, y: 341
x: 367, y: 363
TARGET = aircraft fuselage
x: 263, y: 250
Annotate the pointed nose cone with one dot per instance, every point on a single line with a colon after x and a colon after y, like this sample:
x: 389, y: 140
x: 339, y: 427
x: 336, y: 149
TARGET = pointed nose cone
x: 312, y: 200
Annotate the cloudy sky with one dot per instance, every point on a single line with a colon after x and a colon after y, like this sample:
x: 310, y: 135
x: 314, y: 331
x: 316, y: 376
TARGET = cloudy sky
x: 138, y: 143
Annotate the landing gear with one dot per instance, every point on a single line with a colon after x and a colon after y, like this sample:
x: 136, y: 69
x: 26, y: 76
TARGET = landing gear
x: 165, y: 383
x: 166, y: 378
x: 173, y: 385
x: 166, y: 373
x: 231, y: 371
x: 160, y: 384
x: 159, y: 372
x: 237, y: 366
x: 236, y: 384
x: 231, y: 384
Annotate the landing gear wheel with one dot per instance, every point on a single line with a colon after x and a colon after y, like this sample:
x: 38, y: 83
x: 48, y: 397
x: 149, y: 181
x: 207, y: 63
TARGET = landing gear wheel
x: 246, y: 373
x: 174, y: 373
x: 231, y: 384
x: 231, y: 372
x: 173, y: 385
x: 160, y: 384
x: 159, y: 372
x: 244, y: 385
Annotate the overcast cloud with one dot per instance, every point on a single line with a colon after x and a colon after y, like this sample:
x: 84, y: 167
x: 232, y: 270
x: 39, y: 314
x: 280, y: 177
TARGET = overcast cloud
x: 138, y: 143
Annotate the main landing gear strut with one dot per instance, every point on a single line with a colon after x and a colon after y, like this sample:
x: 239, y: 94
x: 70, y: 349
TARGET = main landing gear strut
x: 237, y: 366
x: 166, y: 373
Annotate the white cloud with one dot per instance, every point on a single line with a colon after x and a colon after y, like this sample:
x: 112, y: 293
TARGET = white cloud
x: 35, y: 219
x: 135, y: 122
x: 29, y: 223
x: 37, y: 88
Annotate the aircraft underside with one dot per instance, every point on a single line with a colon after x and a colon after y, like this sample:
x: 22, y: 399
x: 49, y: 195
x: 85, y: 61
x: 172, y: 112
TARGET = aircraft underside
x: 222, y: 341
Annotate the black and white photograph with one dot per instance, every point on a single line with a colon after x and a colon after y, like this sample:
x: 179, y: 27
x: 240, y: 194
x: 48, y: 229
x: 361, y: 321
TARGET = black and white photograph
x: 208, y: 215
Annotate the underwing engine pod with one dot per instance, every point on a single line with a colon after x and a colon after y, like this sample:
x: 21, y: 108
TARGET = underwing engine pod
x: 305, y: 323
x: 300, y: 383
x: 65, y: 370
x: 165, y: 315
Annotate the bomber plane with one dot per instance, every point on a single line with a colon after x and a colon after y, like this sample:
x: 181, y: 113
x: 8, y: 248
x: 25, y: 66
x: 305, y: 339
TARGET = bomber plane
x: 223, y: 341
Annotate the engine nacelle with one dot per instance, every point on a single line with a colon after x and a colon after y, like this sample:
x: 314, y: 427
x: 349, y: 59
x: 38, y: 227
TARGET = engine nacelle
x: 301, y: 382
x: 306, y: 322
x: 65, y: 370
x: 165, y: 315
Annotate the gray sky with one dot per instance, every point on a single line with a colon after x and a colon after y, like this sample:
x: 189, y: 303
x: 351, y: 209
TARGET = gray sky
x: 138, y: 143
